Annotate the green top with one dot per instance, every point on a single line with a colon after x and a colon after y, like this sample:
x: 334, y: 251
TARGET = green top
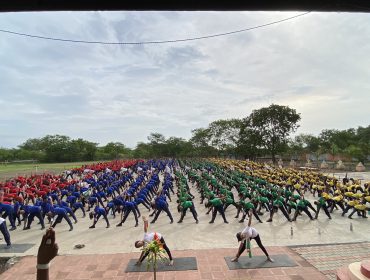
x: 247, y: 205
x: 278, y: 202
x: 301, y: 203
x: 321, y: 201
x: 216, y: 202
x: 186, y: 204
x: 292, y: 204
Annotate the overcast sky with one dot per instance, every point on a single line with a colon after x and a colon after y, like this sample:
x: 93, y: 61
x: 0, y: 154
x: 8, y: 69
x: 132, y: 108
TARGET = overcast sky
x: 318, y: 64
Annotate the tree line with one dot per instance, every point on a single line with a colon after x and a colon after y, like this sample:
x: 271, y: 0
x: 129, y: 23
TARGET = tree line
x: 265, y: 132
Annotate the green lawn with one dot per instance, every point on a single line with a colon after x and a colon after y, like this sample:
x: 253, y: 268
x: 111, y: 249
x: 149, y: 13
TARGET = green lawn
x: 11, y: 170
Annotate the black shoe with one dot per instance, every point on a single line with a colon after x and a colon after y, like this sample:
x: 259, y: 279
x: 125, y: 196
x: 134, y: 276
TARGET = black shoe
x: 241, y: 221
x: 71, y: 229
x: 119, y: 225
x: 108, y: 226
x: 197, y: 222
x: 26, y: 228
x: 211, y: 222
x: 42, y: 227
x: 171, y: 222
x: 92, y: 227
x: 136, y: 225
x: 12, y: 228
x: 179, y: 222
x: 226, y: 222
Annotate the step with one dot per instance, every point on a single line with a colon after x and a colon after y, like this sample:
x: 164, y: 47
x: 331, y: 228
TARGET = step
x: 342, y: 273
x: 365, y: 268
x: 354, y: 271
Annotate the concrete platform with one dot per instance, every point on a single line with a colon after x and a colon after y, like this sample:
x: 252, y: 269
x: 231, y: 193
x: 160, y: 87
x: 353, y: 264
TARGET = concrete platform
x: 245, y: 262
x: 210, y: 263
x: 189, y: 235
x: 179, y: 264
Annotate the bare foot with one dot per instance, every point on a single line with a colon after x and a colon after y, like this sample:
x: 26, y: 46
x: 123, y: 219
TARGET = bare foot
x: 171, y: 263
x: 269, y: 259
x: 234, y: 259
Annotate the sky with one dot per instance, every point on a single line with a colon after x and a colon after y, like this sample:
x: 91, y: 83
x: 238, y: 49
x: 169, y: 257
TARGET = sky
x: 318, y: 64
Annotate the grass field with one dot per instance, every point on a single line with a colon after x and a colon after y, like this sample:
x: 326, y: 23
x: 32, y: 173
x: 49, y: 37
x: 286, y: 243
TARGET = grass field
x: 11, y: 170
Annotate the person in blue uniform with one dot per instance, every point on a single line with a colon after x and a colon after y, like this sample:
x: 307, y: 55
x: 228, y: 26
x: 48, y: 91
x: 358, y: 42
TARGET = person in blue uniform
x: 29, y: 212
x: 5, y: 232
x: 79, y: 205
x: 128, y: 208
x: 160, y: 205
x: 96, y: 214
x: 60, y: 214
x: 8, y: 210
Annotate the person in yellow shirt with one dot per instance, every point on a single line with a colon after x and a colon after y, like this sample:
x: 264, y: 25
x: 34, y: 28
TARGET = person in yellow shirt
x: 337, y: 201
x: 350, y: 204
x: 360, y: 208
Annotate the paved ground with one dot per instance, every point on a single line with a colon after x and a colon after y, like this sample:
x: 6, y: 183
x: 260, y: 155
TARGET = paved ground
x: 211, y: 265
x: 190, y: 236
x: 328, y: 258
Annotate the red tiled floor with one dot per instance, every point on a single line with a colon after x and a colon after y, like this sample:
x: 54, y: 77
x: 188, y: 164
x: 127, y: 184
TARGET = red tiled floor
x: 211, y: 265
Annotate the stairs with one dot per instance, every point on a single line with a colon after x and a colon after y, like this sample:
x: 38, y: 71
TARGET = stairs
x: 355, y: 271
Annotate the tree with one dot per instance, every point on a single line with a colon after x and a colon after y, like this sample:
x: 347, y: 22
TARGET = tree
x: 177, y: 147
x: 33, y: 144
x: 56, y: 148
x: 142, y: 150
x: 81, y: 149
x: 250, y: 141
x: 200, y: 142
x: 363, y: 142
x: 224, y: 134
x: 305, y: 144
x: 115, y: 150
x: 337, y: 141
x: 272, y: 125
x: 157, y: 143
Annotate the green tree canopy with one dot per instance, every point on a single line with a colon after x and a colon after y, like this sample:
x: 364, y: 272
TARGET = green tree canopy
x: 273, y: 125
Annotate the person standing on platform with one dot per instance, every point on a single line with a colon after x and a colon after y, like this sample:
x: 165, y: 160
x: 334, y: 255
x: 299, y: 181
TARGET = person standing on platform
x: 246, y: 235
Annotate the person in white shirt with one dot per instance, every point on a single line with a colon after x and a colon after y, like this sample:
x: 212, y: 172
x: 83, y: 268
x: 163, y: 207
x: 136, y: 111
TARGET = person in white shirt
x: 248, y: 234
x: 5, y: 232
x: 149, y: 237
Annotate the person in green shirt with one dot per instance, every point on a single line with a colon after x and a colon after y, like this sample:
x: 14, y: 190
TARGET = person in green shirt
x: 263, y: 201
x: 216, y: 205
x: 249, y: 206
x: 278, y: 204
x: 291, y: 204
x: 183, y: 207
x: 302, y: 206
x: 321, y: 203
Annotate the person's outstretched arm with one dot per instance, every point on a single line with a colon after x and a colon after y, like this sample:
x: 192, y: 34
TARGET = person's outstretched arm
x: 145, y: 224
x: 250, y: 217
x: 47, y: 251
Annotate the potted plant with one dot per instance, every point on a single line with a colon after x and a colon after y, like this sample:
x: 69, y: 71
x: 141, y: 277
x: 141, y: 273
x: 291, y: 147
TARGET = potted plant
x: 155, y: 253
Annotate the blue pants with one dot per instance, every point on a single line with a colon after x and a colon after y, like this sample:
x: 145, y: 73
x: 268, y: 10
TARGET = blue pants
x: 38, y: 215
x: 10, y: 215
x: 159, y: 210
x: 5, y: 232
x: 59, y: 219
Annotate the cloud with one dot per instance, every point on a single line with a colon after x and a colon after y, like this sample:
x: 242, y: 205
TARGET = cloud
x: 317, y: 64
